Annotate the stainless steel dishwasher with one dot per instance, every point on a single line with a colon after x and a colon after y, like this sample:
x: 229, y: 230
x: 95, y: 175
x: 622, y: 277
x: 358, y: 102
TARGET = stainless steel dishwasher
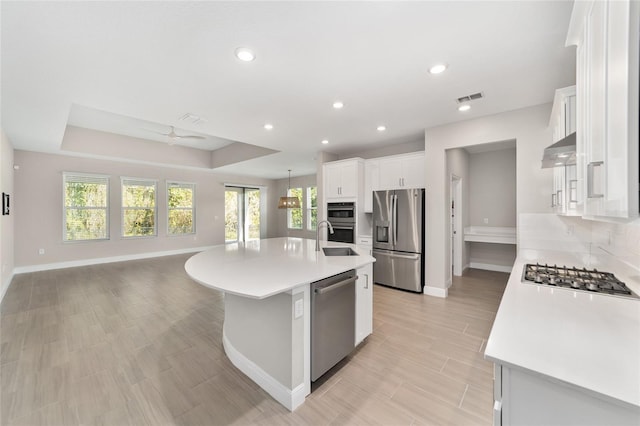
x: 333, y: 318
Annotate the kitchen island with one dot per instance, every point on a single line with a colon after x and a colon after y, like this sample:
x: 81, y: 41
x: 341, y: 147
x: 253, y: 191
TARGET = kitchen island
x: 564, y: 356
x: 266, y: 285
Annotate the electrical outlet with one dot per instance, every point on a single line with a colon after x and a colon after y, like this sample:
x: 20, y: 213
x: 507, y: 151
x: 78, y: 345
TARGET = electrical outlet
x: 569, y: 230
x: 486, y: 220
x: 40, y: 251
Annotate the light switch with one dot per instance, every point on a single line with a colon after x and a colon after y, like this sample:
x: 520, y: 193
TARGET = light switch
x: 486, y: 220
x: 298, y: 308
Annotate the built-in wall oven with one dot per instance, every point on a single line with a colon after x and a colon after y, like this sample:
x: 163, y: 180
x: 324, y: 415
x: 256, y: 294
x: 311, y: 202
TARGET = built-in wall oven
x: 342, y: 217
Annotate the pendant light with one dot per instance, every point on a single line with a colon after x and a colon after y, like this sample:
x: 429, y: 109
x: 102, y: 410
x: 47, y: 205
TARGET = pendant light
x: 289, y: 202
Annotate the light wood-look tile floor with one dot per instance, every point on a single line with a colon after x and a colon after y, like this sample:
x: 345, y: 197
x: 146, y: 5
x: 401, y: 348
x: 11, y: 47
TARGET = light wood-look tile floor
x: 139, y: 343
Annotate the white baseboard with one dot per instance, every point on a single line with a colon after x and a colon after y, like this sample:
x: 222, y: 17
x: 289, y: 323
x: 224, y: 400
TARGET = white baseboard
x: 436, y: 291
x: 491, y: 267
x: 5, y: 286
x: 289, y: 398
x: 99, y: 260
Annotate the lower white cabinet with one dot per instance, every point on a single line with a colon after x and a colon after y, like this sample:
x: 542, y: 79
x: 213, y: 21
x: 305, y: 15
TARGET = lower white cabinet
x: 364, y: 303
x: 522, y: 397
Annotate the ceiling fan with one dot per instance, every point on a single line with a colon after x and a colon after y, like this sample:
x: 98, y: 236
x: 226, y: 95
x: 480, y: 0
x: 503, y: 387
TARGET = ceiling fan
x: 173, y: 136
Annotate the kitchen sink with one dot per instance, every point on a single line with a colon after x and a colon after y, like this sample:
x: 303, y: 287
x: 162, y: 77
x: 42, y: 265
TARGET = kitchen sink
x: 339, y: 251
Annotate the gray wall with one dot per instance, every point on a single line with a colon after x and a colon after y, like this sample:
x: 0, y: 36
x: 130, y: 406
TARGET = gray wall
x: 38, y: 208
x: 7, y: 222
x: 281, y: 187
x: 492, y: 188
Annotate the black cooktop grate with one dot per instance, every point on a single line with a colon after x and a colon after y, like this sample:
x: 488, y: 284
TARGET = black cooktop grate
x: 581, y: 279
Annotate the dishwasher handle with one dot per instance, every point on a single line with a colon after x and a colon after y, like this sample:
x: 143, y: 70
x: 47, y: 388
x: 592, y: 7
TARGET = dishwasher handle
x: 332, y: 287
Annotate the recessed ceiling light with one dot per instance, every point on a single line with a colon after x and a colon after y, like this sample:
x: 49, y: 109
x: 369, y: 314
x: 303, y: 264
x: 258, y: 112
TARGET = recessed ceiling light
x: 465, y: 107
x: 437, y: 69
x: 338, y: 105
x: 559, y: 163
x: 324, y: 142
x: 268, y: 126
x: 381, y: 128
x: 245, y: 54
x: 563, y: 155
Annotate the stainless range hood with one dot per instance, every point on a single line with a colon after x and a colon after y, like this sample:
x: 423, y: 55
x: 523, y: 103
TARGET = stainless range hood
x: 561, y: 153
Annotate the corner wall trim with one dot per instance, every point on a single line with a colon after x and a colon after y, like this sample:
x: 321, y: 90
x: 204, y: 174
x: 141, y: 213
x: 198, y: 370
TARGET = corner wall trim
x: 436, y: 291
x: 289, y: 398
x: 491, y: 267
x: 5, y: 286
x: 99, y: 260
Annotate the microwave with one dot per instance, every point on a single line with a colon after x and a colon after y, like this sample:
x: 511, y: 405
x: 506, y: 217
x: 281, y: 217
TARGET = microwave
x: 341, y: 213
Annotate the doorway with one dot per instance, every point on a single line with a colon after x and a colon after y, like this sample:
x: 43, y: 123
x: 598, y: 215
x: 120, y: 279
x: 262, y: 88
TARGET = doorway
x: 456, y: 226
x: 241, y: 214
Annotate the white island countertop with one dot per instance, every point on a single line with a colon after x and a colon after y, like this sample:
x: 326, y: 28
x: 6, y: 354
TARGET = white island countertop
x: 588, y: 340
x: 262, y: 268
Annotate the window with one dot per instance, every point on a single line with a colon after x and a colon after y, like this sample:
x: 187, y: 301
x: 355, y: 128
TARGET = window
x: 294, y: 216
x: 181, y: 208
x: 138, y: 207
x: 86, y: 207
x: 312, y: 208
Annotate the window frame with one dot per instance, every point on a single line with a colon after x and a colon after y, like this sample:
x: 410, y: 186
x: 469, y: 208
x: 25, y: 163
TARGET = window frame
x: 289, y: 211
x: 192, y: 185
x: 106, y: 208
x: 309, y: 208
x: 123, y: 207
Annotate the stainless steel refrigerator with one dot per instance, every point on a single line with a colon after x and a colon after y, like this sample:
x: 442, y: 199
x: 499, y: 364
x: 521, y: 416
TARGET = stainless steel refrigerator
x: 398, y: 238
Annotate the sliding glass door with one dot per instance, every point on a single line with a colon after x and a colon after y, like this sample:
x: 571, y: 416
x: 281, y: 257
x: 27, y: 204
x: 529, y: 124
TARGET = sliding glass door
x: 241, y: 214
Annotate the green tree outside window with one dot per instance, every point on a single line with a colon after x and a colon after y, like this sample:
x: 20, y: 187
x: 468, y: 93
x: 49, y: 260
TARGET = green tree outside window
x: 138, y: 208
x: 294, y: 216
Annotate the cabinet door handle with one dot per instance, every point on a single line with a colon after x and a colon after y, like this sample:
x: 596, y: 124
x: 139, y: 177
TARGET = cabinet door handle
x: 553, y: 199
x: 590, y: 175
x: 559, y: 197
x: 366, y: 280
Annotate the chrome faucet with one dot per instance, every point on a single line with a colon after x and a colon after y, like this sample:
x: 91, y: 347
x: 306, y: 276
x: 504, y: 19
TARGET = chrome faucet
x: 318, y: 232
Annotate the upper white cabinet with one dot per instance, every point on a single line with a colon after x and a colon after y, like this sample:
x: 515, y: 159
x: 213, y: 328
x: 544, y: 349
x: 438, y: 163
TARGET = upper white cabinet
x: 401, y: 171
x: 606, y: 34
x: 341, y: 178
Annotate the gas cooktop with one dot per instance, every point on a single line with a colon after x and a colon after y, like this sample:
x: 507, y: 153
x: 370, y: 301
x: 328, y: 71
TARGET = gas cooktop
x: 570, y: 278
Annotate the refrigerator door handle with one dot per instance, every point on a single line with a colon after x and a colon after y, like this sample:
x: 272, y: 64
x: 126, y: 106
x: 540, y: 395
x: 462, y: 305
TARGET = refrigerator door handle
x: 395, y: 220
x: 408, y: 256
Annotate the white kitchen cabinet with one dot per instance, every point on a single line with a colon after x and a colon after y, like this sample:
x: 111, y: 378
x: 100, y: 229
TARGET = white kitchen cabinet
x: 402, y: 171
x: 371, y: 182
x: 522, y: 397
x: 606, y: 34
x: 364, y: 303
x: 342, y: 179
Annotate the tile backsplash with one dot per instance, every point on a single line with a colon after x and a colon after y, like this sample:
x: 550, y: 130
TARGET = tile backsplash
x: 577, y: 235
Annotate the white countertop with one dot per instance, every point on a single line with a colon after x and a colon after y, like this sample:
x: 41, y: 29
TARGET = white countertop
x: 588, y: 340
x: 256, y: 269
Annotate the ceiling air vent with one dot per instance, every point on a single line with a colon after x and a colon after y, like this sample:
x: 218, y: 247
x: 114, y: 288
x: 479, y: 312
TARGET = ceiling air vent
x: 472, y: 97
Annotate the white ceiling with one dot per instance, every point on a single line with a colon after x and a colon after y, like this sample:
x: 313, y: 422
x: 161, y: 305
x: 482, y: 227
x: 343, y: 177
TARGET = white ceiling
x: 155, y: 61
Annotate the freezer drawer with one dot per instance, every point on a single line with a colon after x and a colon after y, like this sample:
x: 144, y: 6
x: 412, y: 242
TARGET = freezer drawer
x: 396, y: 269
